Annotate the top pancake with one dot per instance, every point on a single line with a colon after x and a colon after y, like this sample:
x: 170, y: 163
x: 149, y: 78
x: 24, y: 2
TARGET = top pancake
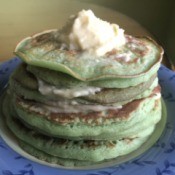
x: 44, y: 50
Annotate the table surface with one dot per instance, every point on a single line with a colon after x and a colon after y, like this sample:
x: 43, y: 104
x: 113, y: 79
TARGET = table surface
x: 20, y: 19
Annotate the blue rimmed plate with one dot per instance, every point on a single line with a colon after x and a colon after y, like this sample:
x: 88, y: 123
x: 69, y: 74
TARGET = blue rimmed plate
x: 158, y: 160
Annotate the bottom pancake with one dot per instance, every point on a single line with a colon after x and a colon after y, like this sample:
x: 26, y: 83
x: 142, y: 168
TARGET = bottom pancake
x: 52, y: 159
x: 86, y: 150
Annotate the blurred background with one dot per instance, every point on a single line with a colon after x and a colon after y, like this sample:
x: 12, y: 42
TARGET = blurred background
x: 22, y: 18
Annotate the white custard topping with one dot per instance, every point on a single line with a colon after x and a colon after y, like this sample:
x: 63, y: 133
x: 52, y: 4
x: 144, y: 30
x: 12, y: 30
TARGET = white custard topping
x: 47, y: 89
x: 86, y: 32
x: 70, y: 107
x: 67, y: 108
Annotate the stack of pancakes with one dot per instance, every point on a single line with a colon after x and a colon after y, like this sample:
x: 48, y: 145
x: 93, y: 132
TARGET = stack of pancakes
x: 73, y: 109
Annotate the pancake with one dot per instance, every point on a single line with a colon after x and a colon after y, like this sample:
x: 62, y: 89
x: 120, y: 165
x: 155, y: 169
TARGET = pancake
x: 105, y: 95
x: 86, y: 150
x: 23, y: 90
x: 108, y: 124
x: 27, y: 86
x: 25, y: 78
x: 61, y: 79
x: 36, y: 96
x: 41, y: 155
x: 43, y: 50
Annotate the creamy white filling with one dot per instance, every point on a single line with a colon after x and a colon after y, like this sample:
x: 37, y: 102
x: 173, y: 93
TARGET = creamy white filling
x: 157, y: 96
x: 50, y: 90
x: 70, y: 107
x: 62, y: 108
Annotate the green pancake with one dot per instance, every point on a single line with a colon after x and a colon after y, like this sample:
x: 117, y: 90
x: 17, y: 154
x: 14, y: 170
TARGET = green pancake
x: 86, y: 150
x: 27, y: 86
x: 25, y: 78
x: 43, y: 50
x: 64, y: 80
x: 111, y: 124
x: 36, y: 96
x: 106, y: 95
x: 53, y: 159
